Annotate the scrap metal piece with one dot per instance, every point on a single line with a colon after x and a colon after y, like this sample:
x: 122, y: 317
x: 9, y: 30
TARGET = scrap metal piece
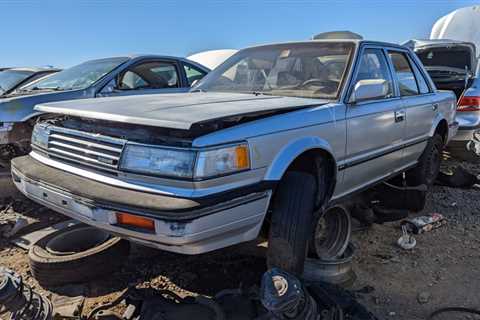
x: 406, y: 241
x: 20, y: 301
x: 337, y: 271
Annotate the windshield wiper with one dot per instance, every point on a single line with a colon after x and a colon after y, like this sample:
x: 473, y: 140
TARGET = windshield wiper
x: 261, y: 93
x: 41, y: 89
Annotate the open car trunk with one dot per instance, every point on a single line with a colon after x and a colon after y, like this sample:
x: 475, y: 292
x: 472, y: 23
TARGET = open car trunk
x: 451, y: 65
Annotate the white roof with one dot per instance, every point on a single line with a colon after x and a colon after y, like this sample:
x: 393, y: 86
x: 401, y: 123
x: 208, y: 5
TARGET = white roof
x: 212, y: 58
x: 462, y: 24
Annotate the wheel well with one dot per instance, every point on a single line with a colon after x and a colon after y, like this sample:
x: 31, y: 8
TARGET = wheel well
x: 322, y: 166
x: 442, y: 130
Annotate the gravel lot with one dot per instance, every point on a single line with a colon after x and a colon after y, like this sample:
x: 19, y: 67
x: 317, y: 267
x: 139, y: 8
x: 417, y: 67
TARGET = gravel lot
x: 441, y: 271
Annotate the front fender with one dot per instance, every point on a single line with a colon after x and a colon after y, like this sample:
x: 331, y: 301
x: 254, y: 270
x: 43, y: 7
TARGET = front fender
x: 291, y: 151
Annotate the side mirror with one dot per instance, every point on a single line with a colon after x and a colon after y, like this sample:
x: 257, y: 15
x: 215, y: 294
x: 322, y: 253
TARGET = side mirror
x: 194, y: 82
x: 109, y: 87
x: 369, y: 89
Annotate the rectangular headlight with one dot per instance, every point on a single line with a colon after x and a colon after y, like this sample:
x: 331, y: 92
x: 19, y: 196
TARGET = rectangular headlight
x: 40, y: 136
x: 158, y: 161
x: 222, y: 161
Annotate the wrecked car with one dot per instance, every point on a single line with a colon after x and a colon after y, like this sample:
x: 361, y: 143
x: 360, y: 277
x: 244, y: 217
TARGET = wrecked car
x: 260, y: 146
x: 453, y: 65
x: 118, y: 76
x: 14, y: 78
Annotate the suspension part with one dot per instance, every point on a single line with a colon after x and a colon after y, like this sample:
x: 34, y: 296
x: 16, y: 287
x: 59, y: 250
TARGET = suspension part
x: 20, y: 301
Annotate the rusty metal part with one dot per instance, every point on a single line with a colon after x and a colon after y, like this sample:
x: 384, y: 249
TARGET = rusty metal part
x: 19, y: 300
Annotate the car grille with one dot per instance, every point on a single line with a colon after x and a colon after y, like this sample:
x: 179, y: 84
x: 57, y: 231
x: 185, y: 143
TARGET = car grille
x: 86, y: 149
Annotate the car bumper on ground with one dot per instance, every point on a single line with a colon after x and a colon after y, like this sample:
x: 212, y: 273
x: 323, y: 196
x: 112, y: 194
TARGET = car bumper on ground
x: 187, y: 226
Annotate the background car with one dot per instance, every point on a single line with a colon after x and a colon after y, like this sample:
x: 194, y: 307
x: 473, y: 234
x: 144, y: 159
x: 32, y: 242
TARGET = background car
x: 453, y: 65
x: 14, y: 78
x: 117, y: 76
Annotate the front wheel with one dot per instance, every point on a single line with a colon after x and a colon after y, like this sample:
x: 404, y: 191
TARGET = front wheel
x: 428, y: 165
x: 291, y: 224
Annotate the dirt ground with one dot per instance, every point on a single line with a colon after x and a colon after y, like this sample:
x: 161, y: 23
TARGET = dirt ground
x: 443, y: 268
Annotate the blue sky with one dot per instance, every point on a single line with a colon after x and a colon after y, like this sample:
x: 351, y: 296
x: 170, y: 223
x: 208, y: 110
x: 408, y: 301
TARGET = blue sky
x: 64, y: 33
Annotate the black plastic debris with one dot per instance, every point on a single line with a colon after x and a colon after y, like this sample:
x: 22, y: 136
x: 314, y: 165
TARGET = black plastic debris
x: 19, y: 300
x: 458, y: 178
x: 281, y: 297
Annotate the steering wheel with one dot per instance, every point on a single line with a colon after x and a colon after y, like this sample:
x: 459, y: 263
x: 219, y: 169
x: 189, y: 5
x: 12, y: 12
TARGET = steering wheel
x: 319, y: 82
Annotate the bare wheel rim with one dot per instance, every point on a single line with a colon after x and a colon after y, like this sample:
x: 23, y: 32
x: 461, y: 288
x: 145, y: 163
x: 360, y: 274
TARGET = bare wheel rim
x: 332, y: 233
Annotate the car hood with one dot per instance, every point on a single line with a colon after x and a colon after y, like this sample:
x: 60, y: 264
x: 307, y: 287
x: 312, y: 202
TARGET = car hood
x: 20, y: 108
x: 176, y: 111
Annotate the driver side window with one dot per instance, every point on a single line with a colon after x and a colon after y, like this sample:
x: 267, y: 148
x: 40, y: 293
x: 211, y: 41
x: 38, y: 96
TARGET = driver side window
x: 373, y: 66
x: 149, y: 75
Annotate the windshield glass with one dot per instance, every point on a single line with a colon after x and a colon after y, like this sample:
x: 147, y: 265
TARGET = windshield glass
x: 78, y: 77
x: 309, y: 70
x: 10, y: 78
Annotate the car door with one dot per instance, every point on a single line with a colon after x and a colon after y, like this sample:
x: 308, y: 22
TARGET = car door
x: 147, y: 77
x: 416, y: 96
x: 375, y: 128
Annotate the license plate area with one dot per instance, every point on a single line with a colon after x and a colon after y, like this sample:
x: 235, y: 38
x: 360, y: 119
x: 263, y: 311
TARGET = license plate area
x: 59, y: 200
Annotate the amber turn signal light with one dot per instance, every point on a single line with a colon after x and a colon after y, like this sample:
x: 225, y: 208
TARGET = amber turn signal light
x: 135, y: 221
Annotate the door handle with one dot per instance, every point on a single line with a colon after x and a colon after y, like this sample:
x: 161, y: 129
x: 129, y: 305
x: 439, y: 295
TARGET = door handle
x: 399, y: 116
x: 435, y: 106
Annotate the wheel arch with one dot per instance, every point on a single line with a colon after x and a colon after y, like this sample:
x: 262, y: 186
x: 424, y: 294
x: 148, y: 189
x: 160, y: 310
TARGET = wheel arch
x: 441, y: 127
x: 306, y: 155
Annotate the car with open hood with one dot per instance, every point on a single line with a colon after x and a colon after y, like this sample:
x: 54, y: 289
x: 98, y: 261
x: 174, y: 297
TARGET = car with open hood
x: 116, y: 76
x: 262, y: 145
x: 453, y: 65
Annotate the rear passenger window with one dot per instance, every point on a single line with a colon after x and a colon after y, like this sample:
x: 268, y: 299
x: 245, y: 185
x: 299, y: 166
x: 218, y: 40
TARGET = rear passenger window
x: 422, y: 83
x: 373, y: 65
x: 406, y: 77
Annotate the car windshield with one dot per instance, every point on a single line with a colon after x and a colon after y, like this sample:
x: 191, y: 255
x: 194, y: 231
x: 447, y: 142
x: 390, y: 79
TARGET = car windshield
x: 308, y: 70
x: 11, y: 78
x: 78, y: 77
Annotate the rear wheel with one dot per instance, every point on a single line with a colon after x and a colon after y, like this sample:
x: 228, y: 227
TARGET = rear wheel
x: 291, y: 224
x: 428, y: 165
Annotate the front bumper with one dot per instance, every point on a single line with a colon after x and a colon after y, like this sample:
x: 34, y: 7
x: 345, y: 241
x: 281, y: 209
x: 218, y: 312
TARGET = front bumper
x: 181, y: 225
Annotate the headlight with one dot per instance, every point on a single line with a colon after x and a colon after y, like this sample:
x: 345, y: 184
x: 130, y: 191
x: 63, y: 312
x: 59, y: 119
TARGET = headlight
x: 222, y: 161
x: 185, y: 163
x: 40, y: 136
x: 158, y: 161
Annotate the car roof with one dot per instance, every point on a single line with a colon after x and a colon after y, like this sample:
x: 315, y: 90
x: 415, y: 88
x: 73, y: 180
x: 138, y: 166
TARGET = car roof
x: 157, y: 56
x: 33, y: 69
x: 357, y: 42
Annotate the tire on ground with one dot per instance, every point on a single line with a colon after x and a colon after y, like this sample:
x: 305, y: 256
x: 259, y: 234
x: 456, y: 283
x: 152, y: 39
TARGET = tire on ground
x: 51, y: 269
x: 428, y: 165
x: 291, y: 222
